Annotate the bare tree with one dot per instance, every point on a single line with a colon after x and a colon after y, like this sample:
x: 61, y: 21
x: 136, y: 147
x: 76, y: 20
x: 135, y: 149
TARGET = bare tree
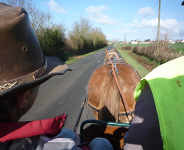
x: 39, y: 19
x: 84, y: 36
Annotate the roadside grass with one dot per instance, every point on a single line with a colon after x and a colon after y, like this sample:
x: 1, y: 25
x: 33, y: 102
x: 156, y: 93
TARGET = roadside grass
x: 135, y: 45
x: 130, y: 60
x: 152, y: 63
x: 73, y: 59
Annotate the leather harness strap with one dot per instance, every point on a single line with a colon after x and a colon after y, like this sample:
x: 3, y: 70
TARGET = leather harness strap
x: 125, y: 113
x: 118, y: 86
x: 125, y: 105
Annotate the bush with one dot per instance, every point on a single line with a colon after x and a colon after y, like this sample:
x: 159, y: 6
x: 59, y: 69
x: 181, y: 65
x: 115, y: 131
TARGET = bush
x: 83, y: 38
x: 52, y: 41
x: 158, y: 51
x: 126, y: 48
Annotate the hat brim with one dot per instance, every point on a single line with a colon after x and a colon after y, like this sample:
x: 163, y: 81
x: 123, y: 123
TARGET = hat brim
x: 58, y: 70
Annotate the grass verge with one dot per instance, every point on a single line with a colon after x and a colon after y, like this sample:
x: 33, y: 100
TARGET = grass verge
x: 148, y: 63
x: 135, y: 45
x: 73, y: 59
x: 134, y: 63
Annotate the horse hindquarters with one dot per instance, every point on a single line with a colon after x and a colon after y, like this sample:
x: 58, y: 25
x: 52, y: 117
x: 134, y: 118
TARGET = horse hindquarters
x: 103, y: 94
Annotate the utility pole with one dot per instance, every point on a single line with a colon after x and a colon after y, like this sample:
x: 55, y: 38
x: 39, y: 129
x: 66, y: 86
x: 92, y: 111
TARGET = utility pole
x: 158, y: 27
x: 125, y: 38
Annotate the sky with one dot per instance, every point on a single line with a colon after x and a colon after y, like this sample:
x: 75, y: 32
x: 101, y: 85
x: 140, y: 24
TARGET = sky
x: 120, y: 19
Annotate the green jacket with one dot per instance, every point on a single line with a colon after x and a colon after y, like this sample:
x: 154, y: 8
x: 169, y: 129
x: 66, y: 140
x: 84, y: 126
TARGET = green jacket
x: 167, y: 86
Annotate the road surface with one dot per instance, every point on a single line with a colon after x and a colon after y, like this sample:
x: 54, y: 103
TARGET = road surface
x: 66, y: 93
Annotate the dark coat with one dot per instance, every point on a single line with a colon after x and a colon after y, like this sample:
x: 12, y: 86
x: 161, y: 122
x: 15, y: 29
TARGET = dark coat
x: 144, y: 134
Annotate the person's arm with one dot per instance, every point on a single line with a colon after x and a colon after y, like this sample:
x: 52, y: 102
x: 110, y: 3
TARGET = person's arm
x: 144, y: 134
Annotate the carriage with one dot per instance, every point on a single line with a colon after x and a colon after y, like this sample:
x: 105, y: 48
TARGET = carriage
x: 110, y: 97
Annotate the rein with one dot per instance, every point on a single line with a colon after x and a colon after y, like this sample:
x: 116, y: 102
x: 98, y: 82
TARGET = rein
x: 79, y: 115
x: 125, y: 105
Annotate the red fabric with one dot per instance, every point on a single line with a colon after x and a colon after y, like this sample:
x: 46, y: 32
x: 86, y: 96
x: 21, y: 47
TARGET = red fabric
x: 85, y: 147
x: 12, y: 131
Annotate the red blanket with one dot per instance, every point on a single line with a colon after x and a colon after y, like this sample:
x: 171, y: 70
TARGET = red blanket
x: 12, y: 131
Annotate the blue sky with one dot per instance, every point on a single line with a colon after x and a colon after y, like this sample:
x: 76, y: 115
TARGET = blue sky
x: 120, y: 19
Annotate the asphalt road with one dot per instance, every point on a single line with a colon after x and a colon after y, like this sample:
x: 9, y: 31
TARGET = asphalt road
x: 66, y: 93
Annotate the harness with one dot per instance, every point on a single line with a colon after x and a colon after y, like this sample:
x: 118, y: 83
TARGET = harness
x: 127, y: 112
x: 114, y: 69
x: 115, y: 72
x: 85, y: 135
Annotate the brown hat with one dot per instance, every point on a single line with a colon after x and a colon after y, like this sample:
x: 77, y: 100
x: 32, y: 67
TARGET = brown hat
x: 22, y: 63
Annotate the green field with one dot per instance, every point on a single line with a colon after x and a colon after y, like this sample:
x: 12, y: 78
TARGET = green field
x: 178, y: 47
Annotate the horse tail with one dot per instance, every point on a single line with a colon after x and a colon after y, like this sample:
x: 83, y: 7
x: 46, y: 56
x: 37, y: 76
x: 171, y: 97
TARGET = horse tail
x: 110, y: 101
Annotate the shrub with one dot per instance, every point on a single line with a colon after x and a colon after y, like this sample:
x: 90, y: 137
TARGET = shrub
x: 52, y: 40
x: 158, y: 51
x: 83, y: 38
x: 126, y: 48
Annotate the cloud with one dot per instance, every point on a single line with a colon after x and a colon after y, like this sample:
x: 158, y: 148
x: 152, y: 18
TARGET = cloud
x: 96, y: 9
x: 96, y: 13
x: 146, y: 11
x: 56, y: 7
x: 168, y: 26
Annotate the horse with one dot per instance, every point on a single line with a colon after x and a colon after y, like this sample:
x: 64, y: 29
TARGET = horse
x: 104, y: 96
x: 110, y: 95
x: 111, y: 55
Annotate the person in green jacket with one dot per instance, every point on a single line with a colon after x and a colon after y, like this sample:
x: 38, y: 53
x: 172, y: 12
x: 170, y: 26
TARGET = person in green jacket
x: 159, y: 111
x: 158, y: 122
